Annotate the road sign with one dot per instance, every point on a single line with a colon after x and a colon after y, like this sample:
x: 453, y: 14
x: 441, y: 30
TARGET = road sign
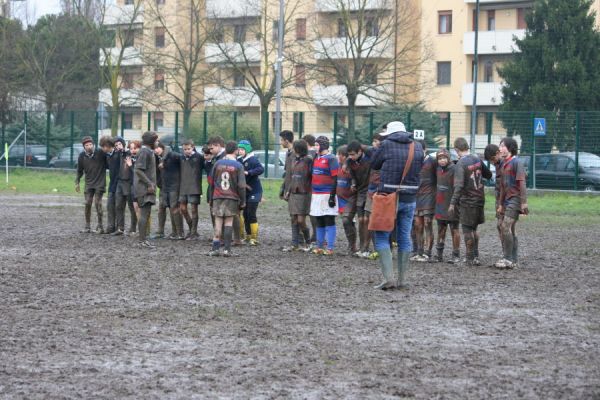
x: 419, y: 134
x: 539, y: 127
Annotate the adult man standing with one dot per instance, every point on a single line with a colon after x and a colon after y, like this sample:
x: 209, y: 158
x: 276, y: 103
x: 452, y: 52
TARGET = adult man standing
x: 399, y: 158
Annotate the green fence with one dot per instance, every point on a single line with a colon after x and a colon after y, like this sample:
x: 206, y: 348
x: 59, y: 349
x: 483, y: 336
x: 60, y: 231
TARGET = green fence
x: 565, y: 157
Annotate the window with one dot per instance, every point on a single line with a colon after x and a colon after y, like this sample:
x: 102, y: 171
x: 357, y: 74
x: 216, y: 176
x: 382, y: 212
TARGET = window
x: 491, y: 20
x: 239, y: 33
x: 370, y: 72
x: 371, y: 27
x: 159, y: 37
x: 301, y: 29
x: 488, y: 72
x: 275, y: 30
x: 239, y: 80
x: 128, y: 38
x: 127, y: 81
x: 342, y: 31
x: 521, y: 23
x: 444, y: 22
x: 444, y: 73
x: 561, y: 164
x: 298, y: 122
x: 300, y: 76
x: 159, y: 79
x: 128, y: 2
x: 160, y: 2
x: 128, y: 121
x: 158, y: 119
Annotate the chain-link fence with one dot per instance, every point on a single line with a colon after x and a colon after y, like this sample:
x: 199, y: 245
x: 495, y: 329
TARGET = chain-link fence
x: 562, y: 155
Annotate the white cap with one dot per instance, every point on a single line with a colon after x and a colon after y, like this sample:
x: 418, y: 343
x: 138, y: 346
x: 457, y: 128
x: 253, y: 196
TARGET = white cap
x: 393, y: 127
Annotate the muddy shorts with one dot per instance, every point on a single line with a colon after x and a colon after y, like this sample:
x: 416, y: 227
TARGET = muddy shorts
x: 225, y: 207
x: 425, y: 213
x: 361, y: 203
x: 299, y: 203
x: 369, y: 203
x: 319, y: 205
x: 471, y: 215
x: 89, y: 195
x: 512, y: 208
x: 168, y: 199
x: 347, y: 207
x: 189, y: 198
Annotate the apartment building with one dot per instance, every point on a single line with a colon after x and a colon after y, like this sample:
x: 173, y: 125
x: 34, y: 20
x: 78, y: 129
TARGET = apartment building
x: 239, y: 42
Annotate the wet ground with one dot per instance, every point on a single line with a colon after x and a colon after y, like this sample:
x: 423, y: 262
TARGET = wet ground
x: 93, y: 316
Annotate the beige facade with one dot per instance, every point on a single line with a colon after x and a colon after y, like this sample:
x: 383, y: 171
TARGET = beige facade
x: 416, y: 50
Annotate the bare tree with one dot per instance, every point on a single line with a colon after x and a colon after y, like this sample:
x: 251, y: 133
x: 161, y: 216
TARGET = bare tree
x: 244, y: 47
x: 177, y: 47
x: 85, y: 8
x: 115, y: 27
x: 366, y: 51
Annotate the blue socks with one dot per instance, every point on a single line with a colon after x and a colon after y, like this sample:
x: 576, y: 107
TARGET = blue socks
x: 330, y: 231
x: 320, y: 236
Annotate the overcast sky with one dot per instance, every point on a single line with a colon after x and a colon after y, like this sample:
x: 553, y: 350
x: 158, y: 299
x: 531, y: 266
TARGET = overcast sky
x: 31, y: 10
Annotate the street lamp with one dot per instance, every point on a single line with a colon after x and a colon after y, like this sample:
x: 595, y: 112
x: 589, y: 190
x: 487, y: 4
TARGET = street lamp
x: 475, y: 78
x: 278, y: 73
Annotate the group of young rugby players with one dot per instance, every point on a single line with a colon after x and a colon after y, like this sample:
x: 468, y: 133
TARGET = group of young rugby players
x: 318, y: 186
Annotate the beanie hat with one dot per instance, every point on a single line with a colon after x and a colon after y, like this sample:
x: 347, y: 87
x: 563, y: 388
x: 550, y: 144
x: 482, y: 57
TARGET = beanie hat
x: 323, y: 142
x: 442, y: 153
x: 393, y: 127
x: 245, y: 144
x: 87, y: 139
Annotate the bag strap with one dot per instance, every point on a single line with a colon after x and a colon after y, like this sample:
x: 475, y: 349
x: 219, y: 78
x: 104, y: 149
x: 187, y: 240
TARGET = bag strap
x: 409, y: 161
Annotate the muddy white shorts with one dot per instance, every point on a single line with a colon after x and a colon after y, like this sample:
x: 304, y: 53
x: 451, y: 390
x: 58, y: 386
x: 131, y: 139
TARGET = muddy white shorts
x: 319, y: 205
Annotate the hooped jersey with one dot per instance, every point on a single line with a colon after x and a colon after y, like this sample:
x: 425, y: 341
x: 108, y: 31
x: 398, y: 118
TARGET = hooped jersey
x: 513, y: 172
x: 427, y: 181
x: 344, y: 183
x: 229, y: 180
x: 444, y: 190
x: 324, y: 172
x: 468, y: 182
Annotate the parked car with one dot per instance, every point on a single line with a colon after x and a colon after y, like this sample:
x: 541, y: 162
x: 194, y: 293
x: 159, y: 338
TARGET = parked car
x: 271, y: 165
x: 63, y: 159
x: 557, y: 171
x: 36, y: 155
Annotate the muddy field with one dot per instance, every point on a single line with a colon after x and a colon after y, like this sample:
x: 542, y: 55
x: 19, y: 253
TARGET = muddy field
x: 89, y: 316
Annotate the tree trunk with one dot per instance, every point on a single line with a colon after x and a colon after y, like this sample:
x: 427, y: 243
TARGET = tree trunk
x: 264, y: 134
x: 351, y: 134
x: 114, y: 113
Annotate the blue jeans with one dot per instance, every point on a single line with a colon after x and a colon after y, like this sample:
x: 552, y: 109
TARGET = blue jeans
x: 404, y: 221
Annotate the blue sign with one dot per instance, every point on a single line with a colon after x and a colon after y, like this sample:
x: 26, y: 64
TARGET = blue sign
x: 539, y: 127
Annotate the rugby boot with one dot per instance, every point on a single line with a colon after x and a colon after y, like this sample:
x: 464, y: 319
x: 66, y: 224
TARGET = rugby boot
x: 455, y: 259
x: 439, y: 257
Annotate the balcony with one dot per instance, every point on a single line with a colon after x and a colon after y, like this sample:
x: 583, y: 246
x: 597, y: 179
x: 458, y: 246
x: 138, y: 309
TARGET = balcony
x: 493, y: 42
x: 488, y: 94
x: 343, y: 48
x: 247, y: 52
x: 496, y: 1
x: 353, y: 5
x: 236, y: 97
x: 123, y: 15
x: 127, y: 97
x: 131, y: 56
x: 218, y: 9
x: 335, y: 96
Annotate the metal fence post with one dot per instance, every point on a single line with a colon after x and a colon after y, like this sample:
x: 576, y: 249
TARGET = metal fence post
x: 3, y: 136
x: 48, y: 117
x: 150, y: 121
x: 25, y: 139
x: 72, y: 136
x: 176, y: 147
x: 488, y: 126
x: 265, y: 132
x: 448, y: 131
x: 532, y: 161
x: 235, y: 115
x: 335, y: 130
x: 205, y: 126
x: 409, y: 121
x: 96, y: 125
x: 371, y: 126
x: 123, y: 124
x: 301, y: 124
x: 577, y: 137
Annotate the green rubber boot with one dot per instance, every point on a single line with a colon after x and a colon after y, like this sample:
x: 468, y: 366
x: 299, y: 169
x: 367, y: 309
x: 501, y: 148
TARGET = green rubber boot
x: 385, y: 261
x: 403, y: 261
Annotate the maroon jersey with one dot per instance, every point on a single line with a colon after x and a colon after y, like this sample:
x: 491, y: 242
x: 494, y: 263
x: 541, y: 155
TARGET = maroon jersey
x: 344, y: 184
x: 498, y: 185
x: 513, y: 180
x: 427, y: 181
x: 468, y: 182
x: 374, y: 181
x: 444, y: 190
x: 300, y: 175
x: 229, y: 180
x: 360, y: 169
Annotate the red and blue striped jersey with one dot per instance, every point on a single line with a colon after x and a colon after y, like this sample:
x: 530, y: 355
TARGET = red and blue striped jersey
x: 344, y: 184
x: 325, y: 169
